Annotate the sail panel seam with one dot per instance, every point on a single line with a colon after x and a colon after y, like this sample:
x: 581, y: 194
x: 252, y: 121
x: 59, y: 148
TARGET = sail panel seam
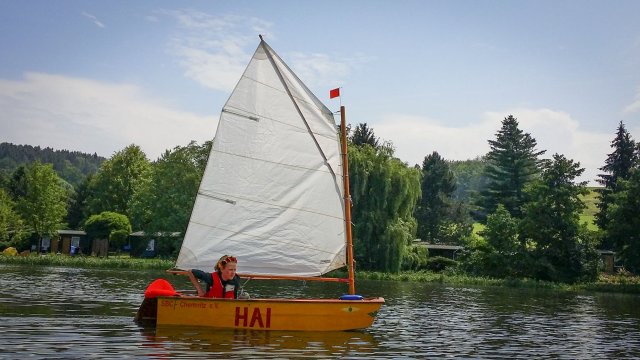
x: 221, y: 197
x: 290, y: 243
x: 297, y: 167
x: 274, y: 120
x: 255, y: 118
x: 311, y: 104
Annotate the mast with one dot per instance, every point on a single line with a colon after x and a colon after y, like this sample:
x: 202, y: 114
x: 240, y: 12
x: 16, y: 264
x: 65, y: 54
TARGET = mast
x: 347, y: 200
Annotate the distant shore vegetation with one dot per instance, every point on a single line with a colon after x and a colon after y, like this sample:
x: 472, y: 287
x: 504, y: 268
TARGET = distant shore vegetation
x: 619, y: 283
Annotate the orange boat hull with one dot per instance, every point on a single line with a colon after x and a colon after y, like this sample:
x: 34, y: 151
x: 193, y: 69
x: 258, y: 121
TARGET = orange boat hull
x: 268, y: 314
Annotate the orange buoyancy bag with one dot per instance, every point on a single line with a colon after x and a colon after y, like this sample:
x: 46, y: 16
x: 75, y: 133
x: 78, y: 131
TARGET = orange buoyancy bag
x: 159, y: 287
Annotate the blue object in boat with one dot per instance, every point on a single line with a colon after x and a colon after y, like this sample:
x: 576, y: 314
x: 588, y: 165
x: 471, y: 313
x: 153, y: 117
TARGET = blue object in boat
x: 351, y: 297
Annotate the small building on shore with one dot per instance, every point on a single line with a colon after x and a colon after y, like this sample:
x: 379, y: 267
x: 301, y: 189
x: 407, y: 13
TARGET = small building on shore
x: 444, y: 250
x: 146, y: 245
x: 69, y: 241
x: 607, y: 258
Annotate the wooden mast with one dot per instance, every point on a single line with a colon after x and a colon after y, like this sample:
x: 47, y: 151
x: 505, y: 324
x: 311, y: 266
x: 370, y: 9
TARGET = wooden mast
x: 347, y: 200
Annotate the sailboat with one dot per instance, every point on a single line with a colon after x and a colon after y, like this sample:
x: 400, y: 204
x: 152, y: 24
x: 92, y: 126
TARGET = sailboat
x: 275, y: 194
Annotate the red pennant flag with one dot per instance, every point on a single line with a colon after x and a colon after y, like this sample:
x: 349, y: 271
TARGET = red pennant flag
x: 334, y: 93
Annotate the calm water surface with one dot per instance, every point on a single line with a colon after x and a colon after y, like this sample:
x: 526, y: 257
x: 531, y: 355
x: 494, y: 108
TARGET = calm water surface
x: 54, y: 312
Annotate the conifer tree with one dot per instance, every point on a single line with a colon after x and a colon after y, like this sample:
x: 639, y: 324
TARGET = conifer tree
x: 437, y: 186
x: 363, y: 134
x: 512, y: 164
x: 624, y: 223
x: 617, y: 167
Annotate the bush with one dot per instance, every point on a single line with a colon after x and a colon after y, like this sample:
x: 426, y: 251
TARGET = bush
x: 10, y: 251
x: 440, y: 263
x: 103, y: 225
x: 118, y: 238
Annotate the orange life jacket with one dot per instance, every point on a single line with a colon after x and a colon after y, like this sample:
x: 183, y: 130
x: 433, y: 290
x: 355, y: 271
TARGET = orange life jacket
x: 216, y: 291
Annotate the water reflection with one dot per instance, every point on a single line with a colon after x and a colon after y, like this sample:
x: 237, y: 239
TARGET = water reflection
x: 54, y: 312
x: 264, y: 344
x: 485, y: 322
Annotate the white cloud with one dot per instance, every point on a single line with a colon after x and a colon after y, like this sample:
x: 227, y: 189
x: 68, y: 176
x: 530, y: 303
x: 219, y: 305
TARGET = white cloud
x: 322, y: 70
x: 94, y: 19
x: 634, y: 106
x: 90, y: 116
x: 214, y: 50
x: 415, y: 137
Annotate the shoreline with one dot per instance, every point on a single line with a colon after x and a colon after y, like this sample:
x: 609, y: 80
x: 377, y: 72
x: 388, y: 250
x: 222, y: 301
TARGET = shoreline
x: 606, y: 283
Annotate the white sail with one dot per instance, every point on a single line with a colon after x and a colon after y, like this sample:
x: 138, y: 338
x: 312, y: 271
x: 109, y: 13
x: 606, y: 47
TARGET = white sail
x: 272, y: 192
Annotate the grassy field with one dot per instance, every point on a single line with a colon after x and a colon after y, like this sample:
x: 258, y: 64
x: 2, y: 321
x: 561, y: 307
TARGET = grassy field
x: 588, y: 215
x: 111, y: 262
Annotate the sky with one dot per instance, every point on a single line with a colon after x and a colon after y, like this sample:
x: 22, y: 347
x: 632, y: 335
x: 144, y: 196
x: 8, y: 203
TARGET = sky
x: 97, y: 76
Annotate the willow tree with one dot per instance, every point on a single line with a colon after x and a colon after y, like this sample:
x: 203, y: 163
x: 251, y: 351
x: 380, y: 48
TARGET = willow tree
x: 384, y: 192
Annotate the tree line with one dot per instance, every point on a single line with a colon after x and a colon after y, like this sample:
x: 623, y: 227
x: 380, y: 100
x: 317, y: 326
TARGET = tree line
x: 71, y: 166
x: 529, y: 206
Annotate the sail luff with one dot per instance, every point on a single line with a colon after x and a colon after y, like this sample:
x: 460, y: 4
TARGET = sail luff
x: 293, y: 100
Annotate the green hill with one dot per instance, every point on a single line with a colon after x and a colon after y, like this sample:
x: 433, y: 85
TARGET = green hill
x: 587, y: 216
x: 72, y: 166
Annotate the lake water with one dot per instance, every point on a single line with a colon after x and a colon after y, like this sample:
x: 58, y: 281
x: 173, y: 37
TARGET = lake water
x: 55, y: 312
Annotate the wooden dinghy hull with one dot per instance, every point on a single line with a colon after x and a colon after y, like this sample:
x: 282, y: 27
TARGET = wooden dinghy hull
x: 261, y: 314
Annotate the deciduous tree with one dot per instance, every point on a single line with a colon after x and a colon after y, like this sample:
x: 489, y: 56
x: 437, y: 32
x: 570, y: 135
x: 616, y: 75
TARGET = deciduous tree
x: 118, y: 180
x: 164, y: 204
x: 108, y: 226
x: 78, y: 209
x: 503, y: 254
x: 564, y: 251
x: 12, y: 230
x: 43, y: 206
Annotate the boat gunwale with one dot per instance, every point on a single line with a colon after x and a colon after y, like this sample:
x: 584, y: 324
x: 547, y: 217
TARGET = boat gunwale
x: 376, y: 300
